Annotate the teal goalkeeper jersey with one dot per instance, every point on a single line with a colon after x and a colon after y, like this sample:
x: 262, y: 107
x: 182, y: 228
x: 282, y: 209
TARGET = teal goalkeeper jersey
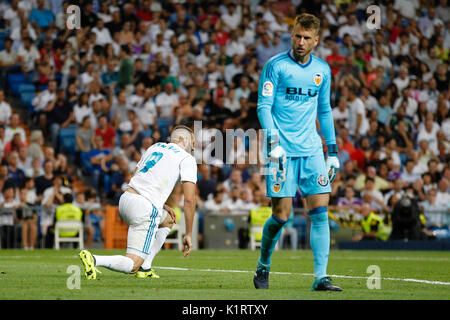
x: 290, y: 98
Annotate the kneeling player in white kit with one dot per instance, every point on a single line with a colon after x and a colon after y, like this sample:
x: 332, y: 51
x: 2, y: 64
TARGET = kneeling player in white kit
x: 142, y: 205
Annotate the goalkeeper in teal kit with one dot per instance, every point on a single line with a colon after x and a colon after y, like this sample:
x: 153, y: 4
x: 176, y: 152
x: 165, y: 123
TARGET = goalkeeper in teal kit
x: 294, y: 91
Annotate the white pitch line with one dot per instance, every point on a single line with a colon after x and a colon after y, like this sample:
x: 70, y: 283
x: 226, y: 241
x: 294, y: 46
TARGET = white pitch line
x: 291, y: 273
x: 386, y: 258
x: 308, y: 274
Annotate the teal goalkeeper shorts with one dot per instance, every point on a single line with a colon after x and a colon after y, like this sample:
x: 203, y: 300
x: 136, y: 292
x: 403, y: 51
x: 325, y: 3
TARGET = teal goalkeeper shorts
x: 309, y: 174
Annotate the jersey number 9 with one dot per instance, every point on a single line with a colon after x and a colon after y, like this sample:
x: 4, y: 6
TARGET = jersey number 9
x: 152, y: 160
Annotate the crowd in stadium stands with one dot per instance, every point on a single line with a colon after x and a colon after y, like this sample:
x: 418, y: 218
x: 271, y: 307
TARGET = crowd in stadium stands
x: 136, y: 68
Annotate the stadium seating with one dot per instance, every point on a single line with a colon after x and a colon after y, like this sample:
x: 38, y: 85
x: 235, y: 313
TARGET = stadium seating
x: 2, y: 40
x: 26, y: 98
x: 15, y: 80
x: 67, y: 141
x: 163, y: 127
x: 69, y: 226
x: 26, y: 88
x: 147, y: 133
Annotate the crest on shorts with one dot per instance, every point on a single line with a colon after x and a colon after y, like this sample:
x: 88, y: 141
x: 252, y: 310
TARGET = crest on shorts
x: 267, y: 89
x: 276, y: 187
x: 318, y: 78
x: 322, y: 180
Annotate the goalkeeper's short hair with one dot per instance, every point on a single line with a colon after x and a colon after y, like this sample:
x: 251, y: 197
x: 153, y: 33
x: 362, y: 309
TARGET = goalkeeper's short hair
x: 308, y: 22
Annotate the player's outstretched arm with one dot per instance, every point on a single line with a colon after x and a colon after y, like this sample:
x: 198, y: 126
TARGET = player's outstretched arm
x: 189, y: 210
x: 325, y: 117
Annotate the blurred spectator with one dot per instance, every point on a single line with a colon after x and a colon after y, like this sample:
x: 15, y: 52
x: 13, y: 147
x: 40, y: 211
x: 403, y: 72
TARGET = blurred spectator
x: 84, y: 137
x: 45, y: 180
x: 335, y: 60
x: 371, y: 195
x: 97, y: 161
x: 5, y: 109
x: 264, y: 51
x: 13, y: 128
x: 378, y: 182
x: 247, y: 204
x: 2, y: 140
x: 443, y: 195
x: 15, y: 174
x: 80, y: 202
x: 206, y: 184
x: 53, y: 195
x: 372, y: 225
x: 106, y: 131
x: 9, y: 63
x: 234, y: 202
x: 27, y: 217
x: 349, y: 202
x: 216, y: 204
x: 408, y: 176
x: 8, y: 217
x: 59, y: 116
x: 14, y: 144
x: 358, y: 123
x: 35, y: 169
x: 41, y: 17
x: 435, y: 213
x: 35, y: 147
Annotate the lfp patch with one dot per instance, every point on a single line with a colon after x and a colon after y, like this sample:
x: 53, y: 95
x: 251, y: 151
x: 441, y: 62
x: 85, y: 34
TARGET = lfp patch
x: 322, y: 180
x: 267, y: 90
x: 318, y: 78
x: 276, y: 187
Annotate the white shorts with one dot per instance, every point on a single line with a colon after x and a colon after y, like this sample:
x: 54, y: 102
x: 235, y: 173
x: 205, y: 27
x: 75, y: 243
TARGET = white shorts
x: 143, y: 219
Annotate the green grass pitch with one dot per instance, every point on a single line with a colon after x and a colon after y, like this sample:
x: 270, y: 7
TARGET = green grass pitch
x: 227, y: 275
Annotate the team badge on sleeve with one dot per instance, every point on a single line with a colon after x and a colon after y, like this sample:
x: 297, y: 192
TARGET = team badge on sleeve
x: 318, y: 78
x: 322, y: 180
x: 267, y: 89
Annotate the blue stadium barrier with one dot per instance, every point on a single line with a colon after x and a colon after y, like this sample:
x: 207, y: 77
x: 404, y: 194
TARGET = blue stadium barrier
x: 2, y: 44
x: 429, y: 245
x: 67, y: 139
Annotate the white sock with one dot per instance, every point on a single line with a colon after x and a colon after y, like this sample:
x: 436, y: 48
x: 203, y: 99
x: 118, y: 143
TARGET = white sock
x: 116, y: 263
x: 160, y: 238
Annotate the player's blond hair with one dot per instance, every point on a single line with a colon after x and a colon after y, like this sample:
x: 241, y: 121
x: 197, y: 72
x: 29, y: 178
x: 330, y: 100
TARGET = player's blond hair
x: 308, y: 22
x: 181, y: 131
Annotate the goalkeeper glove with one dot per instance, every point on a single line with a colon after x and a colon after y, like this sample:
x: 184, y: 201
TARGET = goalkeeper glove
x: 332, y: 162
x: 279, y: 154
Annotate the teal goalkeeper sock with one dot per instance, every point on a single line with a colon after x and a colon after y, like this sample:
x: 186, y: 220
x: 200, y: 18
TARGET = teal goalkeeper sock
x: 320, y: 240
x: 271, y: 234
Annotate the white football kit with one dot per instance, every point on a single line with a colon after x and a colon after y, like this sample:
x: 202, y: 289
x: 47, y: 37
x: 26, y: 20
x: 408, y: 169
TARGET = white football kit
x: 161, y: 167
